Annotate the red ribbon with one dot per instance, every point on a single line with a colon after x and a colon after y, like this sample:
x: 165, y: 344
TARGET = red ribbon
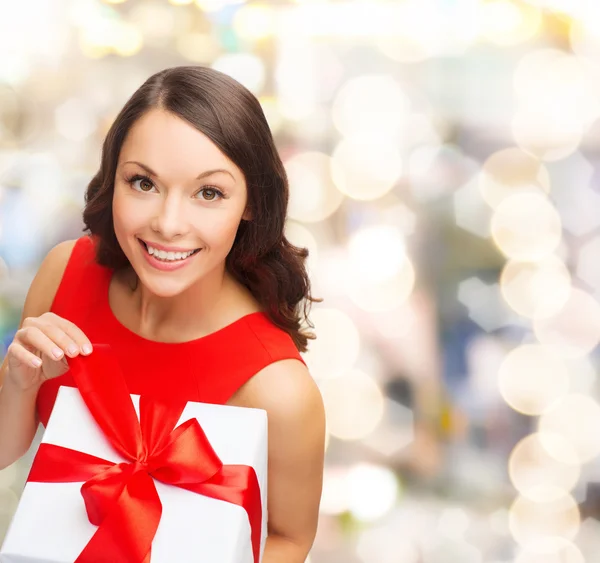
x: 121, y: 498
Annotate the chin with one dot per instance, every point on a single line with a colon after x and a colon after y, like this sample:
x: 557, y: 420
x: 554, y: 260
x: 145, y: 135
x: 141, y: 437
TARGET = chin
x: 165, y: 287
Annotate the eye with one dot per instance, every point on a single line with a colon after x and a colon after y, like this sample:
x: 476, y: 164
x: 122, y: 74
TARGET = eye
x: 144, y: 179
x: 212, y: 193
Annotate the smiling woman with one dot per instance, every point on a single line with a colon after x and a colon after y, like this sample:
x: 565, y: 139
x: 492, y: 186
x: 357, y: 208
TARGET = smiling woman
x: 187, y: 275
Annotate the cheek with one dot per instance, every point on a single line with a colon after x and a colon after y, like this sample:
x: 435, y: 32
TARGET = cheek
x: 219, y: 233
x: 125, y: 215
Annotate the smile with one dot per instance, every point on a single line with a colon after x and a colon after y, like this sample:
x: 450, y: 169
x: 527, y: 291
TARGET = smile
x: 163, y: 260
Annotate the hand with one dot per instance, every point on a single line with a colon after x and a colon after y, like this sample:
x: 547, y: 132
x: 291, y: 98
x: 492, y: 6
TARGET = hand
x: 38, y: 350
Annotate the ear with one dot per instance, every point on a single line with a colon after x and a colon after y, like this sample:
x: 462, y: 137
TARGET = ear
x: 247, y: 216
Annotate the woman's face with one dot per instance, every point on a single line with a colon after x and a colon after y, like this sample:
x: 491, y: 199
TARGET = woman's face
x: 175, y: 189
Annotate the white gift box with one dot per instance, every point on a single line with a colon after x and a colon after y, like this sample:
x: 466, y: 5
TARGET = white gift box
x: 51, y: 524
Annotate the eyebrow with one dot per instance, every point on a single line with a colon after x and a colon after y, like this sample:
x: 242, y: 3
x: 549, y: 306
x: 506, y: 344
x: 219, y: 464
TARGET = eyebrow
x: 199, y: 177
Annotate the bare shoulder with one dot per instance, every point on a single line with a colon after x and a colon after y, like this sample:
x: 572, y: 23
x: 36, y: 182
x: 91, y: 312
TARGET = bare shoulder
x: 45, y: 284
x: 286, y: 390
x: 47, y: 280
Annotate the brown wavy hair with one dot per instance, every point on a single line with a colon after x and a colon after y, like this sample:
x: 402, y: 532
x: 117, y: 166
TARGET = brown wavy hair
x: 261, y: 258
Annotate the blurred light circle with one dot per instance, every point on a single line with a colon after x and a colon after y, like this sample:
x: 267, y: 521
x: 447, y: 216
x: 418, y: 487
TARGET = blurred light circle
x: 337, y: 345
x: 531, y: 379
x: 247, y: 69
x: 382, y: 544
x: 334, y: 498
x: 373, y: 490
x: 526, y: 226
x: 533, y: 521
x: 378, y: 252
x: 572, y: 81
x: 550, y: 550
x: 366, y: 167
x: 271, y: 111
x: 370, y: 105
x: 585, y: 38
x: 420, y: 30
x: 381, y: 294
x: 454, y: 522
x: 588, y: 265
x: 536, y: 474
x: 574, y: 330
x: 215, y: 5
x: 576, y: 419
x: 354, y: 405
x: 128, y: 40
x: 509, y: 171
x: 548, y: 137
x: 301, y: 237
x: 255, y: 21
x: 75, y: 119
x: 198, y: 47
x: 156, y: 21
x: 560, y: 86
x: 313, y: 196
x: 507, y: 22
x: 536, y: 289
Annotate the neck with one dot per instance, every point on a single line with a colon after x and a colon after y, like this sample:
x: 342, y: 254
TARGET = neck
x: 198, y: 310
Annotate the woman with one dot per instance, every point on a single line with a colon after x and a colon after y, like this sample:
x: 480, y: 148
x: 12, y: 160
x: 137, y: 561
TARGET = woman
x: 188, y: 276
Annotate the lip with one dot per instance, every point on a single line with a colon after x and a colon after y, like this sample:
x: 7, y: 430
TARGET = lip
x: 166, y: 248
x: 166, y: 266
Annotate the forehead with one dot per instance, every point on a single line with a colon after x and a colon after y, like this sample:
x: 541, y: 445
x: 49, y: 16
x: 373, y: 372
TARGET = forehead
x: 168, y: 143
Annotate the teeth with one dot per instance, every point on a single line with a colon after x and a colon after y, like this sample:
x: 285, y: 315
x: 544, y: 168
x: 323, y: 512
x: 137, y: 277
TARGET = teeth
x: 168, y: 256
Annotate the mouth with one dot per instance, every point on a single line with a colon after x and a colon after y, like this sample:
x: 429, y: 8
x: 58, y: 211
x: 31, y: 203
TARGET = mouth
x: 167, y: 257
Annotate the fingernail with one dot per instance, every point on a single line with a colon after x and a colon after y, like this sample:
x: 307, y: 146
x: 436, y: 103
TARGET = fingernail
x: 72, y: 349
x: 57, y: 352
x: 87, y: 349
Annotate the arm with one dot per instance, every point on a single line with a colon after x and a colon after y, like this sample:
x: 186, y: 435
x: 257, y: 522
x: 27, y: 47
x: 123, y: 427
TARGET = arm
x: 294, y: 405
x: 18, y: 417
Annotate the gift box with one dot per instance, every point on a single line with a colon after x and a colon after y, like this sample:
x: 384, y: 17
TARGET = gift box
x: 124, y: 478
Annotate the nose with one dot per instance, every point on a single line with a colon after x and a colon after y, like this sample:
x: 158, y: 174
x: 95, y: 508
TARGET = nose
x: 169, y: 220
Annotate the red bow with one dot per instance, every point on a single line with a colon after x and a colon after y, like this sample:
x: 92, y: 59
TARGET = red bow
x: 121, y: 498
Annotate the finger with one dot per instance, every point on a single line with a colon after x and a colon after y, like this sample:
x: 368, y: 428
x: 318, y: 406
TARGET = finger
x: 73, y: 331
x: 63, y: 340
x: 18, y: 356
x: 35, y: 340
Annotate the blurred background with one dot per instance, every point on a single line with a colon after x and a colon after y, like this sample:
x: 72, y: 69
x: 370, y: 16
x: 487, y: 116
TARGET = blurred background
x: 443, y: 162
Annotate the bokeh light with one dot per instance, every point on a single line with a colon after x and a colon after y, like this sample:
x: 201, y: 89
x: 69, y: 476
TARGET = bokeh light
x: 365, y: 167
x: 531, y: 378
x: 382, y: 275
x: 353, y: 403
x: 525, y: 226
x: 372, y: 491
x: 531, y: 521
x: 550, y: 550
x: 536, y: 289
x: 510, y: 171
x: 576, y: 419
x: 313, y: 195
x: 508, y: 22
x: 371, y: 105
x: 336, y: 349
x: 574, y: 330
x: 536, y: 474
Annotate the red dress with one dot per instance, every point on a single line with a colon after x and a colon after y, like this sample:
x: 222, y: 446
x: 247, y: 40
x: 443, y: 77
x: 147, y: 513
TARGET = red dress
x: 209, y: 369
